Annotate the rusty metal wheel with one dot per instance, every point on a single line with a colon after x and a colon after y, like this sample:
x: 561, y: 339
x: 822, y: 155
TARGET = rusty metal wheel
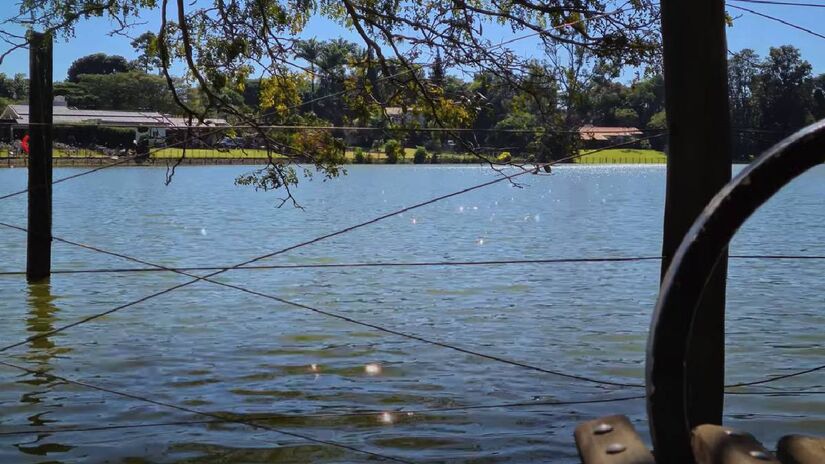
x: 671, y: 330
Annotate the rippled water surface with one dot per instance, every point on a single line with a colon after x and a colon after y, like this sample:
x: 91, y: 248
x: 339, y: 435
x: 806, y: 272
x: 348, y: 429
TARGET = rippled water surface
x: 221, y: 351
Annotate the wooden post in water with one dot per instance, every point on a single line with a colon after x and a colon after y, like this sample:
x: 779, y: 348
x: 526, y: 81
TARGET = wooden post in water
x: 698, y: 165
x: 39, y: 249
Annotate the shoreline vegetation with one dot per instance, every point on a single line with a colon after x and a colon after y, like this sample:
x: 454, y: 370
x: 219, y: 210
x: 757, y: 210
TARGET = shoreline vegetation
x: 256, y: 156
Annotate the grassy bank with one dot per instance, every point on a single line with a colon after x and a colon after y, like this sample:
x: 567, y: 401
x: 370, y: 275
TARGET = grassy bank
x: 68, y: 153
x: 612, y: 156
x: 374, y: 157
x: 173, y: 153
x: 623, y: 156
x: 206, y: 153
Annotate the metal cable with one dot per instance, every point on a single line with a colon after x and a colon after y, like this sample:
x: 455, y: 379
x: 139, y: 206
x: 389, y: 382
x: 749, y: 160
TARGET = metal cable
x: 319, y: 311
x: 100, y: 168
x: 360, y: 128
x: 345, y: 318
x: 346, y: 265
x: 576, y: 130
x: 778, y: 377
x: 776, y: 2
x: 501, y: 262
x: 341, y: 317
x: 373, y: 326
x: 778, y: 393
x: 215, y: 130
x: 779, y: 20
x: 308, y: 308
x: 493, y: 47
x: 357, y: 322
x: 73, y: 176
x: 410, y: 412
x: 202, y: 413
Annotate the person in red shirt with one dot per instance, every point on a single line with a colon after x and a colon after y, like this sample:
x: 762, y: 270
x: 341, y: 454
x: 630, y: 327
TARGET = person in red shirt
x: 25, y: 143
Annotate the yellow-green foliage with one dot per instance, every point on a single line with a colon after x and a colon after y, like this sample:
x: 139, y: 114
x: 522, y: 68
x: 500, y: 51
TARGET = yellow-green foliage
x: 448, y: 112
x: 622, y: 156
x: 280, y: 93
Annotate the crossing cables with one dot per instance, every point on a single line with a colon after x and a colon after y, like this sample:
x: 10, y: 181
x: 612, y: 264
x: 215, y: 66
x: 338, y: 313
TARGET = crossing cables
x: 498, y: 179
x: 342, y: 317
x: 297, y: 305
x: 100, y: 168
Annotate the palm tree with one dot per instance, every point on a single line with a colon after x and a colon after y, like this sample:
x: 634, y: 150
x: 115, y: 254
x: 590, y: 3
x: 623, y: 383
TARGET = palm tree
x: 309, y: 50
x: 334, y: 56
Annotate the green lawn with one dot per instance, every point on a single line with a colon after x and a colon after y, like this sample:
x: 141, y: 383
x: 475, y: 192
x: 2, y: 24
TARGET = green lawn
x: 174, y: 153
x: 60, y: 153
x: 251, y: 153
x: 622, y: 156
x: 612, y: 156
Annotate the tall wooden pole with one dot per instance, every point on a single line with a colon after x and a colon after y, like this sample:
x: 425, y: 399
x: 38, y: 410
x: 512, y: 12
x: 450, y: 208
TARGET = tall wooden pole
x: 39, y: 250
x: 698, y: 165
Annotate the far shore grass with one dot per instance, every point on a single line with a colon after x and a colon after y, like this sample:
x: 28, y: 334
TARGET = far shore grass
x: 622, y: 156
x: 611, y: 156
x: 201, y: 153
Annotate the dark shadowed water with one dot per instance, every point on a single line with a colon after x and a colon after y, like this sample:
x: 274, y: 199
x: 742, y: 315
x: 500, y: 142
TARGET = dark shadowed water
x: 218, y: 350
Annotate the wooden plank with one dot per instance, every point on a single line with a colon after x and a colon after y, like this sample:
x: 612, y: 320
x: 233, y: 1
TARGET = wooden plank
x: 799, y: 449
x: 698, y: 165
x: 714, y: 444
x: 39, y: 246
x: 611, y: 440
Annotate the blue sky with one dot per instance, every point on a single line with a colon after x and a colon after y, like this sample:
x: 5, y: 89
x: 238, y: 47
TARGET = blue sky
x: 749, y: 31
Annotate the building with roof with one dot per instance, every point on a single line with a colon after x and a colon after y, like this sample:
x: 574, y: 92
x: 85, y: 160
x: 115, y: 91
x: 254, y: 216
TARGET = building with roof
x: 156, y: 125
x: 599, y: 136
x: 607, y: 134
x: 398, y: 115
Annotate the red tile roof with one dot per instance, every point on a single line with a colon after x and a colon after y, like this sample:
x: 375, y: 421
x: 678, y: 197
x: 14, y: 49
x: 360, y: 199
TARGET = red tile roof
x: 589, y: 132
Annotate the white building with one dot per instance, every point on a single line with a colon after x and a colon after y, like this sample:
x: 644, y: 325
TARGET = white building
x: 155, y: 124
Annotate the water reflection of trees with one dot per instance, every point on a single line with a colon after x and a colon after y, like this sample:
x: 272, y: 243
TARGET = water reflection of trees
x: 41, y: 319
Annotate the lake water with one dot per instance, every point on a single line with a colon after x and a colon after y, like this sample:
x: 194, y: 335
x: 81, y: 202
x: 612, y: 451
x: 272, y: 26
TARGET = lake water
x: 218, y: 350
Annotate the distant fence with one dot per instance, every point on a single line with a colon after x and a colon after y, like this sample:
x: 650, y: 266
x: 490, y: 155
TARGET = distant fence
x: 620, y: 160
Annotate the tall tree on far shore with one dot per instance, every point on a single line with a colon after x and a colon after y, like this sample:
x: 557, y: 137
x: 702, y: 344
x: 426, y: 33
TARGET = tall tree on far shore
x: 97, y: 63
x: 146, y: 45
x: 819, y: 97
x: 743, y: 69
x: 437, y: 72
x: 14, y: 89
x: 309, y: 50
x: 127, y: 91
x: 784, y: 90
x: 819, y: 104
